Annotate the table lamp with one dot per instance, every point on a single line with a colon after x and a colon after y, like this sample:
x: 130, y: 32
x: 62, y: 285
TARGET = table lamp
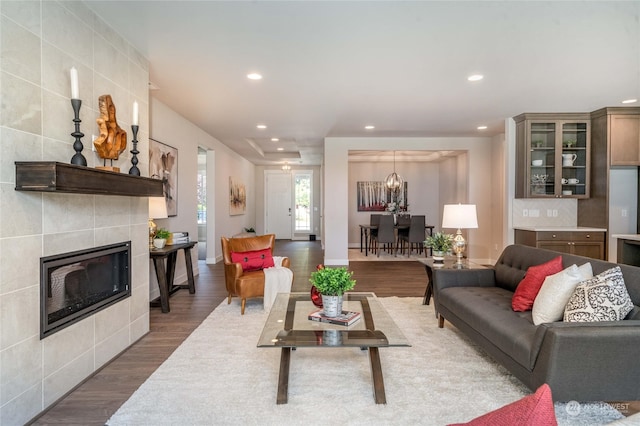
x: 157, y: 210
x: 460, y: 216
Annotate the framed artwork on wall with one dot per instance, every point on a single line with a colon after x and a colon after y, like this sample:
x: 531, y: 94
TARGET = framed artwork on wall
x: 163, y: 165
x: 237, y: 197
x: 373, y: 196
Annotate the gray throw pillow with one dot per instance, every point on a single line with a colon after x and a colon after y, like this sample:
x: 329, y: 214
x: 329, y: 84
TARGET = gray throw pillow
x: 601, y: 298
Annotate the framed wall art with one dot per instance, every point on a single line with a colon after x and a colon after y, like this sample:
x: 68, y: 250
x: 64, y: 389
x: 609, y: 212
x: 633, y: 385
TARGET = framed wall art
x: 163, y: 165
x: 373, y: 196
x: 237, y: 197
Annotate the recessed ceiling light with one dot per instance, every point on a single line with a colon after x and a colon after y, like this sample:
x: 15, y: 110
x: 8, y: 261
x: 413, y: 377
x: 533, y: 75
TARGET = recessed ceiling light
x: 629, y: 101
x: 369, y: 127
x: 475, y: 77
x: 261, y: 126
x: 482, y: 127
x: 254, y: 76
x: 280, y: 148
x: 275, y: 140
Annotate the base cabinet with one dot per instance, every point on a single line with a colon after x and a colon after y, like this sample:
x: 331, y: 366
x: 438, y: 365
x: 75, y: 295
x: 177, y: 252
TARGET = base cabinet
x: 581, y: 243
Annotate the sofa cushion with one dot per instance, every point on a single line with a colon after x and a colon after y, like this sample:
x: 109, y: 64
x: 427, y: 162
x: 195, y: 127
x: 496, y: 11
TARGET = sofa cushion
x: 556, y: 292
x: 253, y: 260
x: 601, y: 298
x: 488, y: 311
x: 528, y: 289
x: 533, y: 410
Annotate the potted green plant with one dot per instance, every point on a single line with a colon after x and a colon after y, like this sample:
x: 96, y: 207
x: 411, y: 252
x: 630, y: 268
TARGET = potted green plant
x: 440, y: 244
x: 161, y: 238
x: 332, y: 283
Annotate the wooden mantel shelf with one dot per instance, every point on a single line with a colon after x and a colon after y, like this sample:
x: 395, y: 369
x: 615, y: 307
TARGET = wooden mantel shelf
x: 51, y: 176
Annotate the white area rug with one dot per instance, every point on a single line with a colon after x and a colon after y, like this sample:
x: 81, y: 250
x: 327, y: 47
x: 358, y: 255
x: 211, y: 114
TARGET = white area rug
x: 218, y: 376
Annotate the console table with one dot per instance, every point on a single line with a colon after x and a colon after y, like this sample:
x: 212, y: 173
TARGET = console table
x: 165, y: 276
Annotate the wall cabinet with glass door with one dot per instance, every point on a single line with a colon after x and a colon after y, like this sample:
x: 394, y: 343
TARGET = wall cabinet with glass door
x: 552, y: 155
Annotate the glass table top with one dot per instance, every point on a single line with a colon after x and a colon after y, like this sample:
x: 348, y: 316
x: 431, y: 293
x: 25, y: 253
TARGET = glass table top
x: 288, y: 324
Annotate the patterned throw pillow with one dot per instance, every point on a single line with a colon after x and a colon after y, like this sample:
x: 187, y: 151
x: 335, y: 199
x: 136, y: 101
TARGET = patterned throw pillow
x: 601, y: 298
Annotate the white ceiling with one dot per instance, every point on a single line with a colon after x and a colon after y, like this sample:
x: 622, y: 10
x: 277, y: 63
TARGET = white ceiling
x: 330, y: 68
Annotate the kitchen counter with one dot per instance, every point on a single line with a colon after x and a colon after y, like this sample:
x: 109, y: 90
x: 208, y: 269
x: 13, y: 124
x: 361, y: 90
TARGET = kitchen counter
x: 634, y: 237
x: 560, y: 229
x: 628, y: 249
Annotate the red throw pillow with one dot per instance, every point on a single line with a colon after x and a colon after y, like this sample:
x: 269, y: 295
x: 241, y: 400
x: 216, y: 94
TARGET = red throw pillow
x: 253, y: 260
x: 528, y: 289
x: 532, y: 410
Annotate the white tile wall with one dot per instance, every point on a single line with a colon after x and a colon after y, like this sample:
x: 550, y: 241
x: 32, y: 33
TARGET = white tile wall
x: 39, y: 42
x: 567, y: 210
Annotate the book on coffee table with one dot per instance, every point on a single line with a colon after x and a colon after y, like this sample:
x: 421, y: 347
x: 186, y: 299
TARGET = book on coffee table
x: 345, y: 318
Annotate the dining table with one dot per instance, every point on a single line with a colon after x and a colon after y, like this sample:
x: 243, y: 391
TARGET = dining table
x: 365, y: 231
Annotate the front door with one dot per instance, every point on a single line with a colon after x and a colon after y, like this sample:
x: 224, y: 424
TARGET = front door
x: 278, y: 199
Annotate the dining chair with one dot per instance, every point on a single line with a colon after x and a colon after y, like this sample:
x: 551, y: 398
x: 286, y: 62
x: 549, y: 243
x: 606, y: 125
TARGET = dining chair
x: 386, y: 235
x: 402, y: 225
x: 415, y: 237
x: 374, y: 220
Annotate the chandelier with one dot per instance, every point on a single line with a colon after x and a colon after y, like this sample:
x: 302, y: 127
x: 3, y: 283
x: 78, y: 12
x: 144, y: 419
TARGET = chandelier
x: 394, y: 181
x: 286, y: 167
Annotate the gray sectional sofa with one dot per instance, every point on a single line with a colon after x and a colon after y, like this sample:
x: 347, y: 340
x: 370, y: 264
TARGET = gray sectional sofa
x: 594, y: 361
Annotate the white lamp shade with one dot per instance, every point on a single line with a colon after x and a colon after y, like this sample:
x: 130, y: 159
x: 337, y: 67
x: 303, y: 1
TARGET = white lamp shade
x: 459, y: 216
x: 157, y: 208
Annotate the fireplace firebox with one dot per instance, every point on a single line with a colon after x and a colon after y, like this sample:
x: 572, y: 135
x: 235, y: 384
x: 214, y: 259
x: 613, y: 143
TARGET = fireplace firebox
x: 78, y: 284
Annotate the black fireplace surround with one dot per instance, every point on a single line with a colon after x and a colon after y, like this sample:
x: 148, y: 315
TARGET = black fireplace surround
x: 78, y: 284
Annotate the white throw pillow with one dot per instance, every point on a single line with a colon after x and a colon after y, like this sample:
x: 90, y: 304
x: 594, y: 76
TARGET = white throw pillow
x: 556, y: 291
x: 601, y: 298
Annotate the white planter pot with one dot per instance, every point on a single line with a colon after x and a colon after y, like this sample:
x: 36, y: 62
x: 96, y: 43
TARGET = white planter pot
x: 332, y: 305
x: 159, y: 242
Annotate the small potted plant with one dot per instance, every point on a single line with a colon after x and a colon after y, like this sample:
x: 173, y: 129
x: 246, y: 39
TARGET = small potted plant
x: 332, y: 283
x: 440, y: 244
x: 161, y: 238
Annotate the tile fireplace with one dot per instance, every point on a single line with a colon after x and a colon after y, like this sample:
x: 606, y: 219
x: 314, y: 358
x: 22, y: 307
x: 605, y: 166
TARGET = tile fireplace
x: 78, y: 284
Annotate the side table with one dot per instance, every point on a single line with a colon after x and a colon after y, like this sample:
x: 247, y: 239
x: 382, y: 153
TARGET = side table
x: 430, y: 265
x: 166, y: 276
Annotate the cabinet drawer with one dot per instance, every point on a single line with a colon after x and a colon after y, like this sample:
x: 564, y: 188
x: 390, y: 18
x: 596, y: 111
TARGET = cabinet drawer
x: 588, y: 236
x: 570, y: 236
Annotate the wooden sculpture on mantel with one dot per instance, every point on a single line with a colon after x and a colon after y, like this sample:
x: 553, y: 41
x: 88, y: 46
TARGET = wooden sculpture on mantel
x: 112, y: 140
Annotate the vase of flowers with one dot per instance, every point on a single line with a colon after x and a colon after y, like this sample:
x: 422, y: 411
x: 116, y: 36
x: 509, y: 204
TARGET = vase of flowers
x: 440, y: 244
x: 332, y: 283
x: 393, y: 208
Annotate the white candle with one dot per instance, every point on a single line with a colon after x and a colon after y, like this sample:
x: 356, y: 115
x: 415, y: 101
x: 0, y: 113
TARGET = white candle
x: 135, y: 113
x: 75, y: 92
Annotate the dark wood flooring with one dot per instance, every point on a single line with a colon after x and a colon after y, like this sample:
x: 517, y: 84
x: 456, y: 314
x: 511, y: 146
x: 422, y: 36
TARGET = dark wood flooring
x: 94, y: 401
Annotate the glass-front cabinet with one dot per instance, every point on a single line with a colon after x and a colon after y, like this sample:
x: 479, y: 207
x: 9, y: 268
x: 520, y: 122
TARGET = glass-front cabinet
x: 552, y: 155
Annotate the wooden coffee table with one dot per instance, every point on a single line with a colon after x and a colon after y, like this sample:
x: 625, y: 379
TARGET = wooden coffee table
x: 288, y: 327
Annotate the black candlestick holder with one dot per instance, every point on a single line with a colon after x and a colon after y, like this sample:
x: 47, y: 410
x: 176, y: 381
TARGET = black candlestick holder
x: 78, y: 159
x: 134, y: 170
